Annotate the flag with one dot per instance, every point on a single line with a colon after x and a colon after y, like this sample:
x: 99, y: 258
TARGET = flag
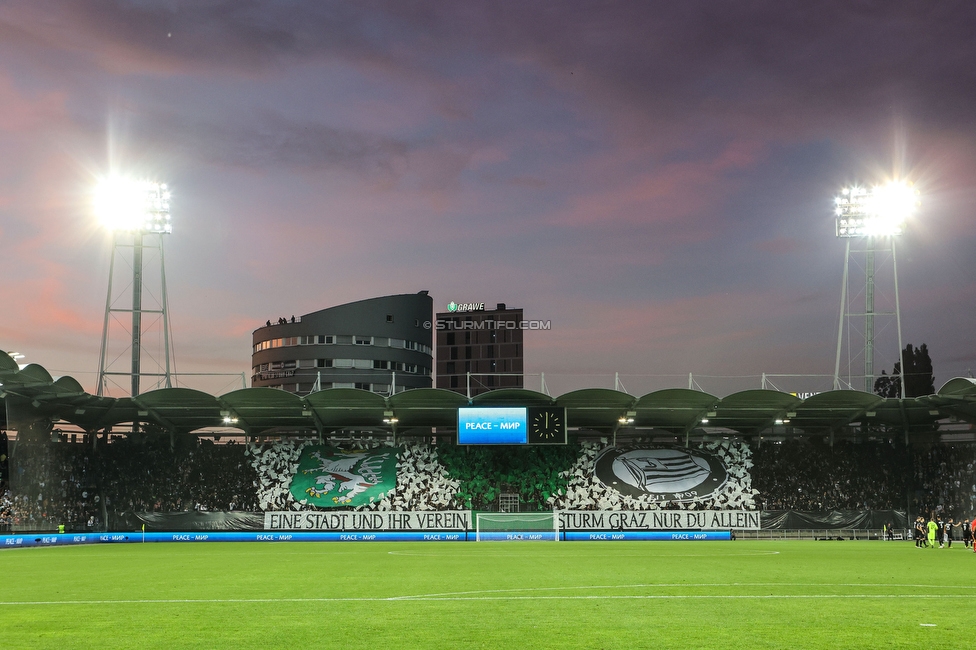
x: 329, y: 478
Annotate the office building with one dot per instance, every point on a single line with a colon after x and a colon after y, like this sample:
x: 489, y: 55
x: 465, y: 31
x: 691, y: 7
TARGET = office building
x: 381, y: 345
x: 478, y: 349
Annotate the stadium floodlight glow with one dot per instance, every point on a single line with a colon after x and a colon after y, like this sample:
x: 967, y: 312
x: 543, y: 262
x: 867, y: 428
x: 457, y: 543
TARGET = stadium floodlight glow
x: 136, y: 210
x: 877, y: 216
x: 877, y: 212
x: 126, y: 204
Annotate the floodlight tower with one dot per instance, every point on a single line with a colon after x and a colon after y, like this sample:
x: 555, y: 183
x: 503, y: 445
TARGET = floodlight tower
x: 875, y: 217
x: 134, y: 211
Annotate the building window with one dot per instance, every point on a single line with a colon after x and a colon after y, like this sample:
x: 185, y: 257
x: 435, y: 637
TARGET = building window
x: 450, y: 338
x: 490, y: 351
x: 492, y: 335
x: 361, y: 386
x: 467, y: 366
x: 491, y: 381
x: 450, y: 368
x: 454, y: 381
x: 389, y: 318
x: 491, y: 366
x: 381, y: 365
x: 467, y: 337
x: 323, y: 363
x: 454, y: 354
x: 364, y: 340
x: 467, y: 352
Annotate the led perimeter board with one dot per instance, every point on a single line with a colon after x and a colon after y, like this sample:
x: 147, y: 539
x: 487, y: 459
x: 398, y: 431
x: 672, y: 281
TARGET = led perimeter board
x: 535, y: 425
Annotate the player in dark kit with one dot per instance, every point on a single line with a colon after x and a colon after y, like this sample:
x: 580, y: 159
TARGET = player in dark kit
x: 967, y: 533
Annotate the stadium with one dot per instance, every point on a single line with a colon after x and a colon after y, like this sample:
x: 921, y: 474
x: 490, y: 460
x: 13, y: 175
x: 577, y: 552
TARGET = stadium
x: 474, y: 305
x: 344, y: 479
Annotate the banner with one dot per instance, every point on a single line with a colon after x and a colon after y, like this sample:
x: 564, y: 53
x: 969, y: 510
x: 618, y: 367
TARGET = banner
x: 440, y: 520
x: 182, y: 521
x: 661, y: 473
x: 624, y: 520
x: 833, y: 520
x: 329, y: 478
x: 20, y: 541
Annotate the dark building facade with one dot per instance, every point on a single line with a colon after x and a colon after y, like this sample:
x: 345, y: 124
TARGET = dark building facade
x: 486, y: 344
x: 380, y: 344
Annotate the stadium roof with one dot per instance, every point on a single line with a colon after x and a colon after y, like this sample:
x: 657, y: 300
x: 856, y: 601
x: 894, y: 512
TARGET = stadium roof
x: 31, y: 395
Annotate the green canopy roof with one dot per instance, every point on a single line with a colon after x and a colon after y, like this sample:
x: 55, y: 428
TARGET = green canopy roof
x: 31, y: 394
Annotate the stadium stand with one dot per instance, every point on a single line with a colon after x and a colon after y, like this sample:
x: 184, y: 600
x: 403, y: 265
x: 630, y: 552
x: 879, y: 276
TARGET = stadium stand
x: 87, y: 487
x: 812, y: 475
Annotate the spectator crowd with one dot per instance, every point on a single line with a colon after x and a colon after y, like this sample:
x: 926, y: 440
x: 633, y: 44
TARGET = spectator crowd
x: 50, y: 483
x: 72, y: 484
x: 812, y: 475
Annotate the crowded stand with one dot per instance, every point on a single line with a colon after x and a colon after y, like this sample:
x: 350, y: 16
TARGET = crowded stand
x: 74, y: 485
x: 945, y: 480
x: 54, y: 482
x: 815, y: 476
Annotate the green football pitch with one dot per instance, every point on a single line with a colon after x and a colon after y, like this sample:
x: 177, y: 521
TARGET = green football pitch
x: 843, y: 594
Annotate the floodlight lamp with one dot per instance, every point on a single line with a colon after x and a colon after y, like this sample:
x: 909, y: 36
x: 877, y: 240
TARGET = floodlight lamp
x: 125, y: 204
x: 879, y: 212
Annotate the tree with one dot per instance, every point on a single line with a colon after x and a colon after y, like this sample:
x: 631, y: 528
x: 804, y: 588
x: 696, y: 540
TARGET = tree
x: 889, y: 385
x: 919, y: 377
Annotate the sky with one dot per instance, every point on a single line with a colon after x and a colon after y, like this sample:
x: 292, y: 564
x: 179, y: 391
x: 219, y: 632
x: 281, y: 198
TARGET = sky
x: 656, y: 179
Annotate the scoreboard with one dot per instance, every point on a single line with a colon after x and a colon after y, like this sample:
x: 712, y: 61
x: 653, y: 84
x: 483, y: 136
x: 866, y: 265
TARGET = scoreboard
x: 518, y: 425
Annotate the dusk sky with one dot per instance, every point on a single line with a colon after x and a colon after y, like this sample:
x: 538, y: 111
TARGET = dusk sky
x: 654, y: 178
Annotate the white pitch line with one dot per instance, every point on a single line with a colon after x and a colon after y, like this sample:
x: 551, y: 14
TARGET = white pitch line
x: 204, y: 601
x: 658, y: 585
x: 546, y: 556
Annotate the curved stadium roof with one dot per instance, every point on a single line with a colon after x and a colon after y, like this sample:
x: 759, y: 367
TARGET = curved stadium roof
x: 31, y: 394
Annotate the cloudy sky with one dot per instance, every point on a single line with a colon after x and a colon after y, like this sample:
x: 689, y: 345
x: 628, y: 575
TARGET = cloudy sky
x: 654, y: 178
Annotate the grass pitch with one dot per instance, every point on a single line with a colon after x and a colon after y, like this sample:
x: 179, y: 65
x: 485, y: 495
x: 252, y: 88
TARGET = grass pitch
x: 768, y: 594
